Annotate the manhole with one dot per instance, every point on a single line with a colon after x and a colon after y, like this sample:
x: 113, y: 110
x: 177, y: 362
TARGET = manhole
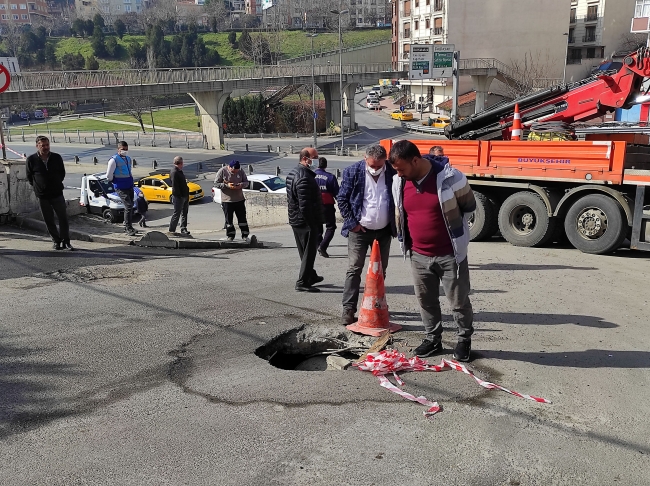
x: 307, y: 348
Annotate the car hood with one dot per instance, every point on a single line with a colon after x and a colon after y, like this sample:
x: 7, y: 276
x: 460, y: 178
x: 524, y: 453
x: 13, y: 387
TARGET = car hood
x: 193, y: 186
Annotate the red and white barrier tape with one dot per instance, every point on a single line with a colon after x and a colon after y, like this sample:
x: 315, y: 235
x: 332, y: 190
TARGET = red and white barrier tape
x: 13, y: 151
x: 392, y: 361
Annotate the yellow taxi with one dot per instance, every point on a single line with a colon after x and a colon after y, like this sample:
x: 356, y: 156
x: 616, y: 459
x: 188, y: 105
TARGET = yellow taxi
x: 401, y: 115
x: 158, y: 188
x: 440, y: 121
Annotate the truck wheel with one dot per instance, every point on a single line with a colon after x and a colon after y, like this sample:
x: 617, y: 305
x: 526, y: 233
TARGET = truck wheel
x: 108, y: 216
x: 596, y: 224
x: 484, y: 222
x: 524, y: 220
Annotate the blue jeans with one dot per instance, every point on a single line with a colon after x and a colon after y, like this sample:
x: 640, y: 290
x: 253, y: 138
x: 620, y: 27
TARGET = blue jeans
x: 428, y: 274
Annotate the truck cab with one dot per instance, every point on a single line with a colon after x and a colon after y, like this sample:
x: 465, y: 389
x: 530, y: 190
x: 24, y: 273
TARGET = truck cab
x: 99, y: 197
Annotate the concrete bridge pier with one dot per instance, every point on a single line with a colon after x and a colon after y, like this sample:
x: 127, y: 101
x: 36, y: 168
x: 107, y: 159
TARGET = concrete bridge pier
x: 332, y: 102
x: 481, y: 85
x: 210, y: 105
x: 349, y: 91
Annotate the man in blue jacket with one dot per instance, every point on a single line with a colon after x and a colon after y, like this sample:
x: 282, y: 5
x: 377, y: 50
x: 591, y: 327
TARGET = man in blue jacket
x: 329, y: 189
x: 119, y: 173
x: 366, y: 204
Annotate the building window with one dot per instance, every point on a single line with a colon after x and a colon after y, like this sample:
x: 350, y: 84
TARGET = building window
x: 14, y: 6
x: 437, y: 5
x: 118, y: 7
x: 5, y: 17
x: 25, y: 16
x: 572, y: 17
x: 437, y: 26
x: 428, y: 2
x: 571, y: 39
x: 590, y: 35
x: 23, y: 6
x: 15, y: 16
x: 417, y: 3
x: 642, y: 8
x: 427, y: 23
x: 592, y: 13
x: 416, y: 25
x: 3, y: 6
x: 591, y: 52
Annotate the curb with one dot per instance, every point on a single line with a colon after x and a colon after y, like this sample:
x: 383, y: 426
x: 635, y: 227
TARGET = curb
x: 152, y: 239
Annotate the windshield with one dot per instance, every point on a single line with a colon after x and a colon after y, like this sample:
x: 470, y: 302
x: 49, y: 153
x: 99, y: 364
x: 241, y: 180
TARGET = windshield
x: 167, y: 181
x: 275, y: 183
x: 107, y: 187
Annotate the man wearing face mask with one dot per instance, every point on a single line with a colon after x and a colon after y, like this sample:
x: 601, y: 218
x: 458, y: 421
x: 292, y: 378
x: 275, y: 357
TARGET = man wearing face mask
x: 366, y: 203
x: 305, y: 217
x: 119, y: 173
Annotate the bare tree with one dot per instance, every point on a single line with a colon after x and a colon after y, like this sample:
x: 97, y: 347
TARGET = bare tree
x: 11, y: 33
x: 631, y: 42
x: 48, y: 22
x: 137, y: 107
x: 527, y: 74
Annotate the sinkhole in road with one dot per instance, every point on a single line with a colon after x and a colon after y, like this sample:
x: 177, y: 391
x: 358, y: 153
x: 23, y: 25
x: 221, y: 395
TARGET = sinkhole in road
x: 307, y: 347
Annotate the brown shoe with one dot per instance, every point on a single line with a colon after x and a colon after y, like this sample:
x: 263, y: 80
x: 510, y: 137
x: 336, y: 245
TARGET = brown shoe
x: 347, y: 317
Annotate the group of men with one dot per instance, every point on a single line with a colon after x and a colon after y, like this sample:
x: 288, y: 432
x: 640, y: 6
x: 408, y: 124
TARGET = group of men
x: 421, y: 200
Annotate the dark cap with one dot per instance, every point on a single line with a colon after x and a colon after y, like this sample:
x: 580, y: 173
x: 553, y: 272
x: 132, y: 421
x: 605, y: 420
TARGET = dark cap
x: 234, y: 164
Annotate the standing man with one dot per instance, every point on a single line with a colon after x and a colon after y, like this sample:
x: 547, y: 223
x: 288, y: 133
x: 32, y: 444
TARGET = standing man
x: 232, y: 181
x: 366, y: 204
x: 119, y: 173
x: 45, y: 173
x: 433, y: 201
x: 180, y: 197
x: 437, y: 151
x: 305, y: 206
x: 329, y: 189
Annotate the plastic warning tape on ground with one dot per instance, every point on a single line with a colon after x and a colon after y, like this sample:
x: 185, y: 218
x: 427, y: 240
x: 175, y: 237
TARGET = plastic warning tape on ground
x: 13, y: 151
x: 391, y: 361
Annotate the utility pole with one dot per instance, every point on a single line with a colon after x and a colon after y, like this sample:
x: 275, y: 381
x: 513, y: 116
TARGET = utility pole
x: 340, y: 13
x: 455, y: 78
x: 313, y: 87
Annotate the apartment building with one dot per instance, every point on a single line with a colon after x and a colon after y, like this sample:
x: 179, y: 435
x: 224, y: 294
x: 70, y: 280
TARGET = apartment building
x: 109, y: 9
x: 496, y: 29
x: 22, y: 11
x: 597, y: 30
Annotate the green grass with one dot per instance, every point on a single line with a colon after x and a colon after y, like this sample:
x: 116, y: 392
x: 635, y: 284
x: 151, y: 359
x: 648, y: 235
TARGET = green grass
x: 293, y: 44
x: 82, y: 124
x: 179, y: 118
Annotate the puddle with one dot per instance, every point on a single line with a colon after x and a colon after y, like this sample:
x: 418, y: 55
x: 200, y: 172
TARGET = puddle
x: 306, y: 348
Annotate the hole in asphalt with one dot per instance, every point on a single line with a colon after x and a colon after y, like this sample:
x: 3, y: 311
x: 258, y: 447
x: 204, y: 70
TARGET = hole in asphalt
x: 308, y: 347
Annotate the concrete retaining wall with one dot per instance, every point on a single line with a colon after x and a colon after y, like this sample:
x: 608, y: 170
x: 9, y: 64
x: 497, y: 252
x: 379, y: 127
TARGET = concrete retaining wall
x: 266, y: 209
x: 16, y: 195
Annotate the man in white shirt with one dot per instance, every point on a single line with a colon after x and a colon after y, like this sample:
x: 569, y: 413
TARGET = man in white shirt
x: 366, y: 203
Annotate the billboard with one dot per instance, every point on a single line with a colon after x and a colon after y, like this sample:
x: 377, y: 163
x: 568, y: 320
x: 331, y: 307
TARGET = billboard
x: 421, y: 59
x: 443, y: 61
x: 267, y: 4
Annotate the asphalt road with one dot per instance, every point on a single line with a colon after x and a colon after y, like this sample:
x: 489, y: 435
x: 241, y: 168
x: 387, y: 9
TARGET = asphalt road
x: 130, y: 366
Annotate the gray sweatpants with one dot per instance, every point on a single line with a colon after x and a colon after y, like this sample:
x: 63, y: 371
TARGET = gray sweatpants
x: 428, y: 274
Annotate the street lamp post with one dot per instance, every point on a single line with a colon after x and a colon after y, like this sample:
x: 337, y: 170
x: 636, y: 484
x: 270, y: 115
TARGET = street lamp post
x: 566, y: 56
x: 313, y: 87
x: 340, y: 13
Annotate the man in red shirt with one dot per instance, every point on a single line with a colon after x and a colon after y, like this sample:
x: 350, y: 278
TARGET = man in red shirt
x: 433, y: 201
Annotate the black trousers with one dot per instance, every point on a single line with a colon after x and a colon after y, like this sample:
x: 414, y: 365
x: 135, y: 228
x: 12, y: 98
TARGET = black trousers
x: 307, y: 243
x: 181, y: 206
x: 236, y: 209
x: 330, y: 226
x: 48, y: 208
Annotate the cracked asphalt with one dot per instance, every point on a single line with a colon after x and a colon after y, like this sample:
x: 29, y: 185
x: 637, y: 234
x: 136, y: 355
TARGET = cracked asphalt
x: 123, y: 365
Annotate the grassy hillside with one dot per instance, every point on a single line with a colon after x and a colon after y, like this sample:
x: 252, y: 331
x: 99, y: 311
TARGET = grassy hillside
x: 293, y: 44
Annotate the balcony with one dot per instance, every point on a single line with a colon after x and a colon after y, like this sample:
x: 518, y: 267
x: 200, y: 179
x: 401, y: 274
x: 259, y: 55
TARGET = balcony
x: 592, y: 17
x: 574, y: 60
x: 438, y: 30
x: 572, y: 40
x: 589, y: 38
x: 438, y: 5
x: 405, y: 55
x: 407, y: 33
x: 572, y: 19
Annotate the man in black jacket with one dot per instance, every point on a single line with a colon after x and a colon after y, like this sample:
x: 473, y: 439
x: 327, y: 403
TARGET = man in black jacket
x: 181, y: 198
x: 305, y: 217
x: 45, y: 173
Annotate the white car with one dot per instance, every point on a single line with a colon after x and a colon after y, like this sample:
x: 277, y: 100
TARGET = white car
x: 373, y: 104
x: 373, y: 94
x: 99, y: 197
x: 258, y: 183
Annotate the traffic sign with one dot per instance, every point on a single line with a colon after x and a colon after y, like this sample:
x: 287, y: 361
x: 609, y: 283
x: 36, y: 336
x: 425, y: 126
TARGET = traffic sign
x: 401, y: 108
x: 421, y: 60
x: 5, y: 78
x: 443, y: 61
x: 315, y: 115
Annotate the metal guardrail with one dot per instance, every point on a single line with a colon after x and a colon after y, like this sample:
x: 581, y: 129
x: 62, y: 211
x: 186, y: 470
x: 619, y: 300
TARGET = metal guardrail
x: 133, y: 77
x: 317, y: 54
x: 414, y: 127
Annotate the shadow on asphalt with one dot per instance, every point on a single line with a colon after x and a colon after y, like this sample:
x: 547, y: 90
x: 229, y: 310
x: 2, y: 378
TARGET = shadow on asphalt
x: 408, y: 290
x: 518, y: 266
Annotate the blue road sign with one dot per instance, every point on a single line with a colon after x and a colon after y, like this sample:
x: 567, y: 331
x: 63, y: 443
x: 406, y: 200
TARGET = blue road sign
x: 401, y: 108
x: 315, y: 115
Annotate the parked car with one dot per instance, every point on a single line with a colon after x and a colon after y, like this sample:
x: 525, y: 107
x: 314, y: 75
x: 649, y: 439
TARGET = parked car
x: 402, y: 115
x: 158, y: 188
x: 382, y: 90
x: 373, y: 104
x: 258, y: 183
x: 373, y: 94
x: 24, y: 115
x: 359, y: 88
x: 439, y: 121
x: 39, y: 115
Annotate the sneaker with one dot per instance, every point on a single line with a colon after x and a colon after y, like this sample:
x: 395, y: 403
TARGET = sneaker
x: 65, y: 245
x: 143, y: 224
x: 131, y: 232
x: 317, y: 279
x: 307, y: 288
x: 348, y: 317
x: 245, y: 238
x: 140, y: 223
x: 172, y: 233
x: 463, y: 350
x: 184, y: 232
x: 323, y: 253
x: 231, y: 238
x: 428, y: 348
x: 56, y: 246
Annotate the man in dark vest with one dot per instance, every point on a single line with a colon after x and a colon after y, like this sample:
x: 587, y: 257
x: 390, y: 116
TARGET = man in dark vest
x: 45, y: 173
x: 119, y: 173
x: 329, y: 188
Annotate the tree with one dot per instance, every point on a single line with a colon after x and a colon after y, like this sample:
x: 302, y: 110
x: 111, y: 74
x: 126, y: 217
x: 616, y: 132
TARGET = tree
x: 232, y: 37
x: 120, y: 28
x: 217, y: 9
x: 137, y: 54
x: 214, y: 24
x: 78, y: 27
x: 73, y: 62
x: 89, y: 27
x: 50, y: 54
x: 631, y: 42
x: 112, y: 47
x: 11, y: 33
x: 525, y: 75
x: 97, y: 42
x: 245, y: 43
x: 91, y: 63
x: 98, y: 20
x: 250, y: 21
x: 137, y: 107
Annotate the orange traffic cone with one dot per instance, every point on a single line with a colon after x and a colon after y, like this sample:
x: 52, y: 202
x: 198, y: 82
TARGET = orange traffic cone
x: 516, y: 125
x: 373, y: 315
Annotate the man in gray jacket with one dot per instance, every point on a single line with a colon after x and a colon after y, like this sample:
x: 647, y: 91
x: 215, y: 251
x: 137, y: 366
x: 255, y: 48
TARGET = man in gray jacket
x: 232, y: 181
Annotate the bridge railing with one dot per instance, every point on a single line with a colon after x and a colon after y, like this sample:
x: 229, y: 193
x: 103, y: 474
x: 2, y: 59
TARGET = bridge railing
x: 132, y: 77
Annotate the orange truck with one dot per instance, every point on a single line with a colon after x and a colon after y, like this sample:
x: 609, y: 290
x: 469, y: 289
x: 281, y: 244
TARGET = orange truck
x: 534, y: 192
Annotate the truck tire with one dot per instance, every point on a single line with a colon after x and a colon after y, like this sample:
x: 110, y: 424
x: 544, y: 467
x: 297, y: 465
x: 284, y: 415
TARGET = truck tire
x: 524, y: 220
x: 484, y: 222
x: 596, y: 224
x: 107, y: 214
